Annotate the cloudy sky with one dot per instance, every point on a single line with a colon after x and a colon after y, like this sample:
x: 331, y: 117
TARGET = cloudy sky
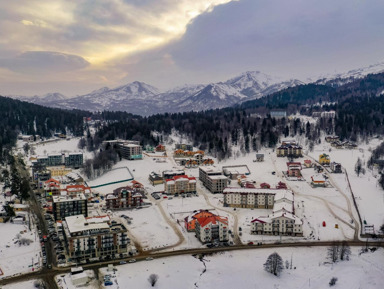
x: 75, y: 46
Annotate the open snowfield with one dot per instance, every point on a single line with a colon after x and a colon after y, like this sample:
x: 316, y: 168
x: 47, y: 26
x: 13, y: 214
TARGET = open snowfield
x: 369, y: 196
x: 22, y: 285
x: 150, y: 229
x: 244, y: 269
x: 15, y: 258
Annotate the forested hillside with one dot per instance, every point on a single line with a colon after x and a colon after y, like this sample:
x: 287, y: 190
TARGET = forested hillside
x: 359, y: 106
x: 22, y: 117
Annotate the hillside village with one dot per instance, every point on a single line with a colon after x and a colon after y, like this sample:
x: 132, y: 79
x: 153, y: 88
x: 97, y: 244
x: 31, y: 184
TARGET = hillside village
x: 174, y: 197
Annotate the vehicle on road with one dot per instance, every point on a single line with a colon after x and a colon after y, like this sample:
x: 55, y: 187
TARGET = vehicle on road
x: 132, y: 261
x: 148, y: 258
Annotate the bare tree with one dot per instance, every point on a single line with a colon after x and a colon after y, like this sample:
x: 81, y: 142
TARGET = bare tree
x: 274, y: 264
x: 345, y: 251
x: 152, y: 279
x: 333, y: 253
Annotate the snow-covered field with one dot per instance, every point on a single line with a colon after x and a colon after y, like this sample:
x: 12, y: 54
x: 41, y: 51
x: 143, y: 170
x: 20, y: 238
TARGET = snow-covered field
x: 16, y: 258
x: 244, y: 269
x: 22, y: 285
x: 368, y: 194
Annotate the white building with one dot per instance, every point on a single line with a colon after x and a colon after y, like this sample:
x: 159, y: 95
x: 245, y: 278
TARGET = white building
x: 282, y: 220
x: 249, y: 198
x: 180, y: 185
x: 94, y: 237
x: 212, y: 229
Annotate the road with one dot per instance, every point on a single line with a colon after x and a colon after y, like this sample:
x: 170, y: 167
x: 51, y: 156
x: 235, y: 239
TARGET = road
x: 356, y: 224
x: 48, y: 274
x: 328, y: 204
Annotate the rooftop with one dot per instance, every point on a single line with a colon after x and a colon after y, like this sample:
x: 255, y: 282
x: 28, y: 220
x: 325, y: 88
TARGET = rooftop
x: 68, y: 198
x: 79, y: 223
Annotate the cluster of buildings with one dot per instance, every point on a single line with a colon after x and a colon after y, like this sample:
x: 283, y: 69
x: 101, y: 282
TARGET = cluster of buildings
x: 69, y: 160
x: 208, y: 227
x: 90, y: 237
x: 190, y: 158
x: 29, y: 138
x: 282, y: 220
x: 336, y: 143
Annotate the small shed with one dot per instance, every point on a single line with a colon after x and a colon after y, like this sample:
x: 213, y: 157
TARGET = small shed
x: 79, y: 279
x: 259, y: 157
x: 336, y: 168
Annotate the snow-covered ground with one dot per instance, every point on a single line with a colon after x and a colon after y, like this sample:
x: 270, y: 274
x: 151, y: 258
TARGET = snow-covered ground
x: 16, y: 258
x: 244, y: 269
x: 22, y: 285
x: 368, y: 194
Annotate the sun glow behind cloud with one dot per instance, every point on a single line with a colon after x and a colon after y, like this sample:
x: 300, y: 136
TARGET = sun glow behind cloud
x: 100, y: 31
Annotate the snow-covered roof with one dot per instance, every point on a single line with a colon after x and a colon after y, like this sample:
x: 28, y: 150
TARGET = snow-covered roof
x: 283, y: 206
x: 220, y: 177
x: 248, y: 191
x: 210, y: 169
x: 68, y: 198
x: 79, y: 223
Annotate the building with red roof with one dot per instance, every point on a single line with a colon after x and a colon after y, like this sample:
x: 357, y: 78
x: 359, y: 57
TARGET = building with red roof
x: 180, y: 184
x: 212, y: 229
x: 190, y: 221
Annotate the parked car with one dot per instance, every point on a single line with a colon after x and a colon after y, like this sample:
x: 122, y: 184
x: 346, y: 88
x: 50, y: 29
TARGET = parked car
x: 132, y: 261
x: 148, y: 258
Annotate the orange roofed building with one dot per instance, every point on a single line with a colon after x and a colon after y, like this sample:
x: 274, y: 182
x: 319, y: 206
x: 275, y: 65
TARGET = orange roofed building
x: 190, y: 221
x: 211, y: 229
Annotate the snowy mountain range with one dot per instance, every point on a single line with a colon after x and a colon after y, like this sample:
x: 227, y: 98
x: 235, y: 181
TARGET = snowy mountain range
x: 141, y: 98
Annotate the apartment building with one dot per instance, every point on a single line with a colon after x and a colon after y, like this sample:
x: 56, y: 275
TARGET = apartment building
x: 213, y: 179
x: 180, y: 184
x: 95, y: 237
x: 289, y: 149
x: 69, y: 205
x: 211, y: 229
x: 130, y: 150
x: 282, y: 220
x: 281, y: 223
x: 124, y: 197
x: 249, y: 198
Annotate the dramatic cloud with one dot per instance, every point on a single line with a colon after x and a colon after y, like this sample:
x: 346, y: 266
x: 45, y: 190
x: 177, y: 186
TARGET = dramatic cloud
x: 44, y: 62
x: 171, y: 42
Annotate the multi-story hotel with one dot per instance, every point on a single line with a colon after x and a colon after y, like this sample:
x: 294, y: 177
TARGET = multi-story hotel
x: 180, y: 184
x: 69, y: 205
x: 249, y: 198
x: 213, y: 179
x: 130, y: 150
x: 124, y: 197
x: 211, y: 229
x: 96, y: 237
